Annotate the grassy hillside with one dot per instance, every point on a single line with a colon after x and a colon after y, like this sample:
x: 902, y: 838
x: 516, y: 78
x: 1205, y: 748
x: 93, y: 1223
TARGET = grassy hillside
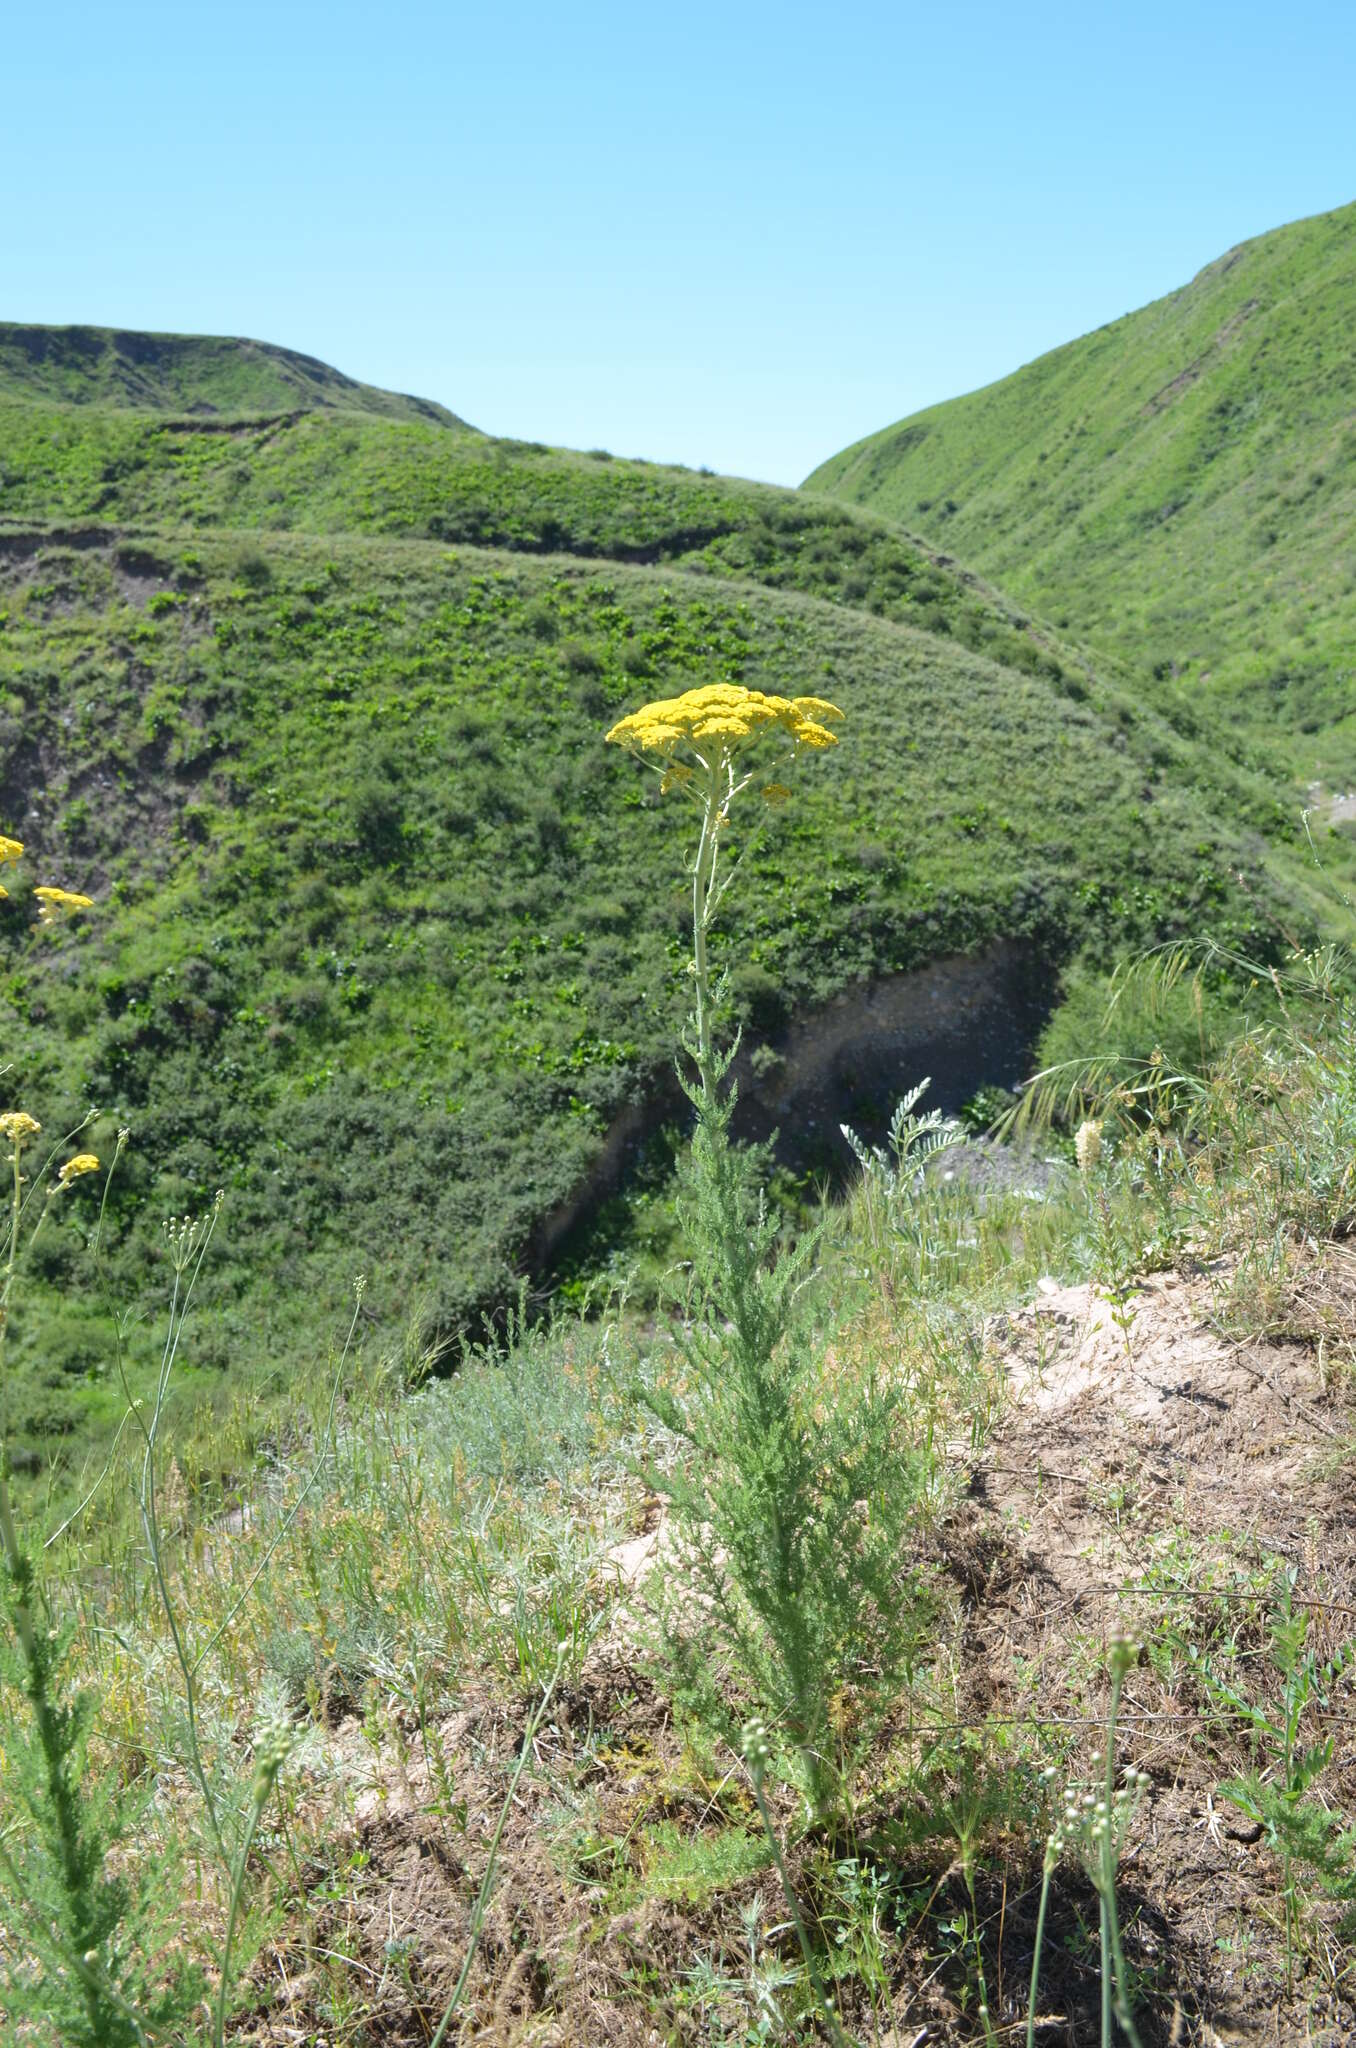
x: 386, y: 940
x: 1178, y: 488
x: 327, y: 473
x: 199, y: 374
x: 512, y: 1712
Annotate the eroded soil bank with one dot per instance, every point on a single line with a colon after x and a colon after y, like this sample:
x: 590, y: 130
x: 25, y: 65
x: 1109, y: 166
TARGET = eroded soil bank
x: 965, y: 1023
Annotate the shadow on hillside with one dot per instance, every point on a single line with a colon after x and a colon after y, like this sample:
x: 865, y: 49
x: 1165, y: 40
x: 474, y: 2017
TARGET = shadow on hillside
x: 965, y: 1023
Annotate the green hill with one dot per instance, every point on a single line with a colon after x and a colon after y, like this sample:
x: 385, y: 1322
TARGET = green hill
x: 198, y: 374
x: 390, y: 946
x: 1179, y: 488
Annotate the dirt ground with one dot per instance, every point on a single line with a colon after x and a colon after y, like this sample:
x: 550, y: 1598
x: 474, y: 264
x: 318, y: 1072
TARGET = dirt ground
x: 1154, y: 1485
x: 1158, y: 1486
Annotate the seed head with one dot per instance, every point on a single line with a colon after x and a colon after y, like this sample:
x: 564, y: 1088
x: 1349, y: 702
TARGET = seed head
x: 1088, y: 1144
x: 757, y: 1749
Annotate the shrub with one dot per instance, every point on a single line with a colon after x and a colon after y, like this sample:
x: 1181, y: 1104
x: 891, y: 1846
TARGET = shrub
x: 253, y: 569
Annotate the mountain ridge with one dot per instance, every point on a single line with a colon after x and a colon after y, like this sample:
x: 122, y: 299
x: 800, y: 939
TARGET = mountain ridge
x: 1177, y: 487
x: 199, y: 374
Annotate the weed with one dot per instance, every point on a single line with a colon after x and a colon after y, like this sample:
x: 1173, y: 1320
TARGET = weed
x: 1301, y: 1830
x: 892, y: 1177
x: 1095, y: 1824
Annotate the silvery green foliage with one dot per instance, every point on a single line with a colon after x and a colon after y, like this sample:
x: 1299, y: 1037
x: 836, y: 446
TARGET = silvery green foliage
x: 913, y: 1141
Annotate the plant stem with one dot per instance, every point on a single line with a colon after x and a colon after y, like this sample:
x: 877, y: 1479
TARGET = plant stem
x: 1113, y: 1954
x: 151, y: 1526
x: 1046, y: 1873
x: 830, y: 2017
x: 8, y: 1536
x: 703, y: 887
x: 968, y: 1866
x: 257, y: 1806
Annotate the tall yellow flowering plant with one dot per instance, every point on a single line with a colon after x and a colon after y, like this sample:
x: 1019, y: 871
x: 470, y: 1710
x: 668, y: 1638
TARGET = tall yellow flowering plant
x: 711, y: 745
x: 787, y: 1502
x: 95, y: 1963
x: 18, y: 1130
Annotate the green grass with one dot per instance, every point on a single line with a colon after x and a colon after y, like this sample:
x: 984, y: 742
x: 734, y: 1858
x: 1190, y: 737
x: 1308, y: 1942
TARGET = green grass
x: 1178, y: 488
x: 341, y: 472
x: 387, y: 938
x: 388, y: 942
x: 402, y: 1594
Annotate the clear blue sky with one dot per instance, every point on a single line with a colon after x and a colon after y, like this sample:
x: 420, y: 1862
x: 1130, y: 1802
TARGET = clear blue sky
x: 734, y: 234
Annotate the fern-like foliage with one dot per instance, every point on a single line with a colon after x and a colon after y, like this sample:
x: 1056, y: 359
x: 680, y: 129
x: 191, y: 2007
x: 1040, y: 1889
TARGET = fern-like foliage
x: 91, y: 1966
x: 893, y: 1174
x: 900, y: 1164
x: 794, y: 1492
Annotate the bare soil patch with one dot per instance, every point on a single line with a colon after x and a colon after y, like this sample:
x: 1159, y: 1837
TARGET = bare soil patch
x: 1168, y: 1484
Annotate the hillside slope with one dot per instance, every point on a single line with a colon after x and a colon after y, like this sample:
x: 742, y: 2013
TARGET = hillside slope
x: 327, y: 472
x: 1179, y: 488
x: 197, y: 374
x: 388, y: 944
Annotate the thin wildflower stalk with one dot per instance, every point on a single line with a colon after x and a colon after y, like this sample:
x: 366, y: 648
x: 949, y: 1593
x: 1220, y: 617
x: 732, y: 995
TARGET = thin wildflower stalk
x: 1097, y: 1823
x: 1122, y: 1656
x: 189, y: 1240
x: 269, y: 1760
x: 1053, y: 1849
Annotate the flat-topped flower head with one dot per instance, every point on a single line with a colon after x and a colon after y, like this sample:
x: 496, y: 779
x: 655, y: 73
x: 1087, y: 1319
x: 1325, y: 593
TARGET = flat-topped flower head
x: 10, y: 849
x: 17, y: 1124
x: 58, y: 903
x: 83, y: 1163
x: 717, y: 722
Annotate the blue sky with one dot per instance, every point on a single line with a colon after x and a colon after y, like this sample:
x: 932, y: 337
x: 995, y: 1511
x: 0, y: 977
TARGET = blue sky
x: 741, y: 235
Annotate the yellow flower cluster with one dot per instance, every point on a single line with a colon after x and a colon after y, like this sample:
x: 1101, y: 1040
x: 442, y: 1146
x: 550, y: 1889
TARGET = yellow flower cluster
x: 17, y: 1124
x: 83, y: 1162
x: 55, y: 903
x: 722, y: 718
x: 52, y: 903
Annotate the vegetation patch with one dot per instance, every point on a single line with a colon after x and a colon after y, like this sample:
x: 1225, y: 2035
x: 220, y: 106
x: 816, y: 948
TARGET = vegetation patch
x: 386, y: 948
x: 1177, y: 489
